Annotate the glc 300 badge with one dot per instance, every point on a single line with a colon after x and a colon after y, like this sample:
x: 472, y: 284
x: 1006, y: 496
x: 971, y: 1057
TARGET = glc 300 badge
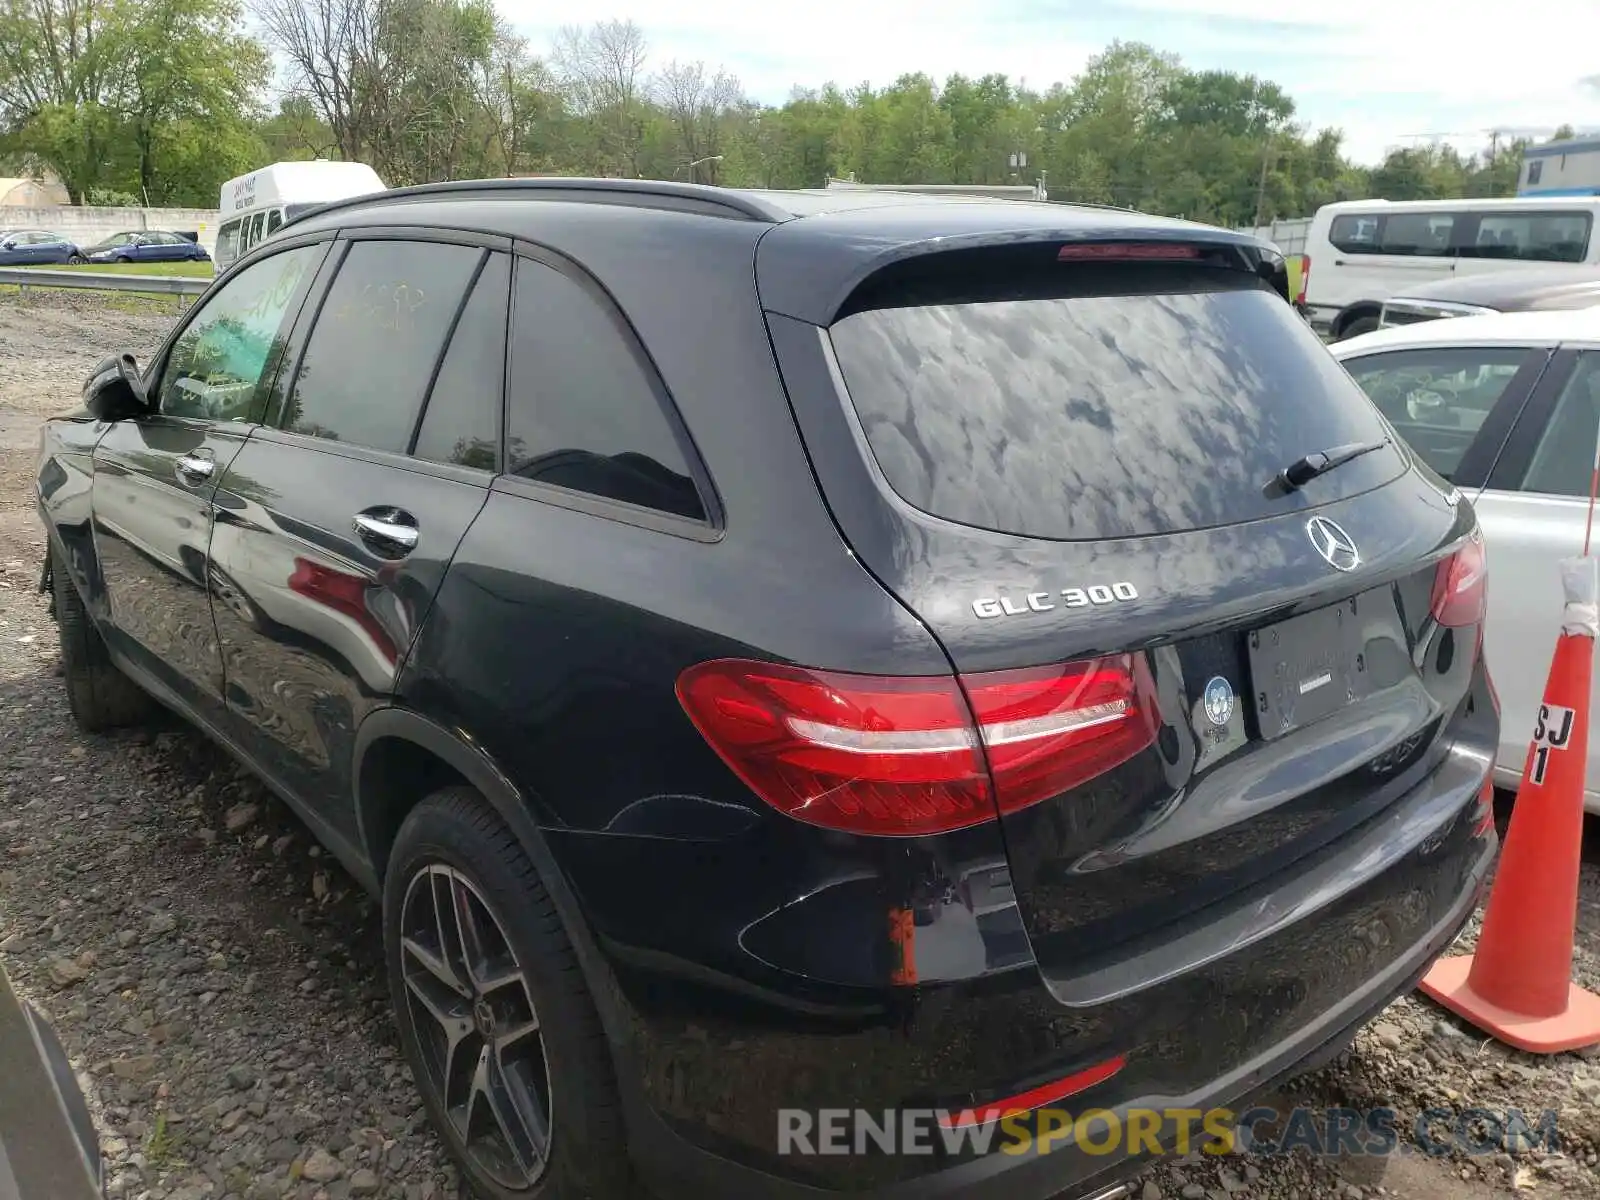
x: 1036, y: 602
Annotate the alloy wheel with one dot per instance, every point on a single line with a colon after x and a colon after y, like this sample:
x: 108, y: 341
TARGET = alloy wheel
x: 476, y: 1026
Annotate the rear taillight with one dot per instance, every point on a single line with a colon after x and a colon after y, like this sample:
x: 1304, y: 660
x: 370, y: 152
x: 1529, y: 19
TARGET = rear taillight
x: 1460, y: 585
x: 1485, y: 820
x: 1048, y: 729
x: 910, y: 756
x: 1305, y: 281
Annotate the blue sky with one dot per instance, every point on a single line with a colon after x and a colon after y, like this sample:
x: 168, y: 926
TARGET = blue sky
x: 1383, y: 70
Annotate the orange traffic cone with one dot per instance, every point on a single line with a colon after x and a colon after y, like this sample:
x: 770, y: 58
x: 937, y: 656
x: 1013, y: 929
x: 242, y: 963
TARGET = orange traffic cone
x: 1518, y: 984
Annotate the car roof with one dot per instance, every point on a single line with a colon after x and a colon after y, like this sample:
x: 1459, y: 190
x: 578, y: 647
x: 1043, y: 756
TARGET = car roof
x: 818, y: 245
x: 1500, y: 204
x: 1514, y: 329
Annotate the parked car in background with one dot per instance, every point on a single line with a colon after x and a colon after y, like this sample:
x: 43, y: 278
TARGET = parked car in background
x: 1507, y: 408
x: 899, y: 692
x: 148, y: 246
x: 27, y: 247
x: 1545, y: 290
x: 1359, y: 253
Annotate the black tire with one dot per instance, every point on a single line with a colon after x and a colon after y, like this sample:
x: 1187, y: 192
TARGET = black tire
x: 74, y: 260
x: 456, y: 830
x: 100, y: 696
x: 1357, y: 327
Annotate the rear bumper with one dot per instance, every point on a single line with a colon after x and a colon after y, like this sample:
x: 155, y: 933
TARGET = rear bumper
x: 707, y: 1082
x: 677, y: 1167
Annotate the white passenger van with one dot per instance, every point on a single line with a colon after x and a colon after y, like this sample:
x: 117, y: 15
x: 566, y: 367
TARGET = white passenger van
x: 256, y: 205
x: 1361, y: 252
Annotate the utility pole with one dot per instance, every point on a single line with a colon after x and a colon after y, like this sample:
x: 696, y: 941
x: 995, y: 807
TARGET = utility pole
x: 1261, y: 188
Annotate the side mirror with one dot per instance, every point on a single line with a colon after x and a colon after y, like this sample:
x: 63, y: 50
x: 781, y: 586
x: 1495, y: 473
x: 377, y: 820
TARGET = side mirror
x: 115, y: 392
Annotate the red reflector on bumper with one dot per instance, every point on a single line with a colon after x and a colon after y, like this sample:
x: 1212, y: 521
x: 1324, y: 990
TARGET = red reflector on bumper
x: 1485, y: 809
x: 1036, y: 1098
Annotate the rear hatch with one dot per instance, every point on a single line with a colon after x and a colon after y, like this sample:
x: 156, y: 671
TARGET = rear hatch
x: 1060, y: 456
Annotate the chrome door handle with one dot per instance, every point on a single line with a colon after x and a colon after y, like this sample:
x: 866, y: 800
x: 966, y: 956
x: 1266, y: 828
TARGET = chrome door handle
x: 390, y: 535
x: 193, y: 465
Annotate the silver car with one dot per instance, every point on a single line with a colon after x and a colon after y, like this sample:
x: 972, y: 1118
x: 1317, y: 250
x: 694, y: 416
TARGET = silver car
x: 1546, y: 289
x: 1506, y: 407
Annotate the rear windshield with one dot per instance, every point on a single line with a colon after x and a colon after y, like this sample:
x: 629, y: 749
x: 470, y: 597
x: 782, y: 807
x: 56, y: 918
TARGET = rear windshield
x: 1143, y: 399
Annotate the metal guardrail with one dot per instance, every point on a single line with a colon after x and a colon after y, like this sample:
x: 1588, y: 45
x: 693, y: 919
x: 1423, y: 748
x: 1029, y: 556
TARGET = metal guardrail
x: 94, y: 281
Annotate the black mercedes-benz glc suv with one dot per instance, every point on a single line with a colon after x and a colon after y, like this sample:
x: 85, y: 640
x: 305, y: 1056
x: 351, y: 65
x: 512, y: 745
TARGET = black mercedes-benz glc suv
x: 787, y: 652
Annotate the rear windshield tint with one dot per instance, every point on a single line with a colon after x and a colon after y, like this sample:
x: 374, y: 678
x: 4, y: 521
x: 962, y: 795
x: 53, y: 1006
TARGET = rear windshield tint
x: 1141, y: 400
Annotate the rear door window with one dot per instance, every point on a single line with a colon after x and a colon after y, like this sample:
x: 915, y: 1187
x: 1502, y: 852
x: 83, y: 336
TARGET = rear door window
x: 1138, y: 400
x: 376, y: 341
x: 1438, y: 399
x: 1563, y: 461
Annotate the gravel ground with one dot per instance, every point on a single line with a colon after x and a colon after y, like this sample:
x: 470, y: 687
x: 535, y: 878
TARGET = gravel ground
x: 218, y: 979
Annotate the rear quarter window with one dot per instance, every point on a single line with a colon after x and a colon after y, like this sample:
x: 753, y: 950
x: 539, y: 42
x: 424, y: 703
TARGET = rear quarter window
x: 1128, y: 401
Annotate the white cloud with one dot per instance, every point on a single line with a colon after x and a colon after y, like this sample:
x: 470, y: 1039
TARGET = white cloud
x: 773, y: 50
x: 1386, y: 70
x: 1383, y: 70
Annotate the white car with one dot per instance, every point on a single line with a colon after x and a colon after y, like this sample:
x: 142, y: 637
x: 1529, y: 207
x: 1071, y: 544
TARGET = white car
x: 1506, y: 407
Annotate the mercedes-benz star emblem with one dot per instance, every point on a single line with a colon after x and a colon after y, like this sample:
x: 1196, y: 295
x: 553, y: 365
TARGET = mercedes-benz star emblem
x: 1333, y: 543
x: 483, y: 1017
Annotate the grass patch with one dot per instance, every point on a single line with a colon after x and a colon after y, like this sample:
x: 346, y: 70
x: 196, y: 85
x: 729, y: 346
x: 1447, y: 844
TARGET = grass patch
x: 160, y: 1147
x: 121, y: 300
x: 132, y: 302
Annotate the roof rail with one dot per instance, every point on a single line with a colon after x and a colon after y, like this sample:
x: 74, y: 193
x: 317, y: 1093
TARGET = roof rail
x: 553, y: 187
x: 1095, y: 204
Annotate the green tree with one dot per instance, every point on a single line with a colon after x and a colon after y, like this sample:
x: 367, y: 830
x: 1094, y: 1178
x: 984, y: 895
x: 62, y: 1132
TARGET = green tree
x: 296, y: 132
x: 55, y: 84
x: 1111, y: 110
x: 988, y: 123
x: 603, y: 73
x: 185, y: 86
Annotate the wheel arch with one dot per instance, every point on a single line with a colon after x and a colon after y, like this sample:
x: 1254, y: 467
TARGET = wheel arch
x: 401, y: 757
x: 1354, y: 312
x: 74, y: 546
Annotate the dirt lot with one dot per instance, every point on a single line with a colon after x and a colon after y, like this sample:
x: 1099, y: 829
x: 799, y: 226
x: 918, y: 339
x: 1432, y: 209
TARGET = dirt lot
x: 218, y: 980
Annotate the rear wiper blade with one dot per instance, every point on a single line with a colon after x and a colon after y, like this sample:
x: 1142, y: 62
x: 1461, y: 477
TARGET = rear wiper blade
x: 1303, y: 470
